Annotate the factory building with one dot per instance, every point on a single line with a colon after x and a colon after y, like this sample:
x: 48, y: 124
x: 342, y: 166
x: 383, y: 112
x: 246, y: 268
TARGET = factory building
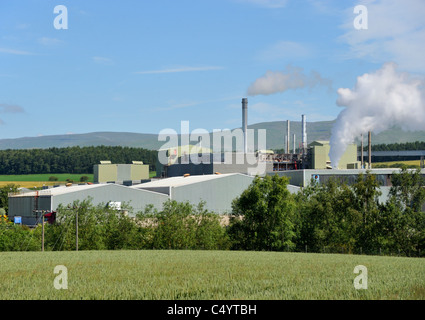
x: 194, y: 175
x: 110, y: 172
x: 29, y: 205
x: 217, y: 190
x: 210, y: 163
x: 318, y: 156
x: 303, y: 178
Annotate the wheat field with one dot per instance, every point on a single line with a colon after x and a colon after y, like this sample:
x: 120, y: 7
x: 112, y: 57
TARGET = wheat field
x: 205, y: 275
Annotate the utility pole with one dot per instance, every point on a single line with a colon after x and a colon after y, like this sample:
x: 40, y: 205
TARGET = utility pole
x: 76, y: 229
x: 42, y: 231
x: 37, y: 212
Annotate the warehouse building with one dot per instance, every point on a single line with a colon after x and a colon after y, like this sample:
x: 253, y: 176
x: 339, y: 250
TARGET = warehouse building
x: 28, y: 205
x: 217, y: 190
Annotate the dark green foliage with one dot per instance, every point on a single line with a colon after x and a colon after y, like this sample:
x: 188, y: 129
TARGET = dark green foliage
x: 329, y: 217
x: 84, y: 179
x: 267, y: 215
x: 99, y: 227
x: 4, y: 191
x: 184, y: 226
x: 18, y: 238
x: 417, y: 145
x: 70, y: 160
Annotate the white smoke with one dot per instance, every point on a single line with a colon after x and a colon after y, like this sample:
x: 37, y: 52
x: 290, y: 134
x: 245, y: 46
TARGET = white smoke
x: 379, y: 101
x: 281, y: 81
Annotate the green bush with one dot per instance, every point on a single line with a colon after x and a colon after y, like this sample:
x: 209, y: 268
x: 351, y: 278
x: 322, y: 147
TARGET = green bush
x: 180, y: 225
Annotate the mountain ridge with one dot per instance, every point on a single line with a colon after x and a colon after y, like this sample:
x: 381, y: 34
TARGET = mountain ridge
x: 275, y: 134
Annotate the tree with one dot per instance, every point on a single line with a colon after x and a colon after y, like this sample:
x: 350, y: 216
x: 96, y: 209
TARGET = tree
x: 84, y: 179
x: 4, y: 192
x: 366, y: 203
x: 264, y: 215
x: 405, y: 219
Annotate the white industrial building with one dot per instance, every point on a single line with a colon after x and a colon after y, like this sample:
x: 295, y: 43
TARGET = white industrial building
x: 217, y: 190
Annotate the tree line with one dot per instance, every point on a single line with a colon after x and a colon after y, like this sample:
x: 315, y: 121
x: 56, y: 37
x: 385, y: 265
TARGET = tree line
x: 70, y: 159
x: 329, y: 217
x: 404, y: 146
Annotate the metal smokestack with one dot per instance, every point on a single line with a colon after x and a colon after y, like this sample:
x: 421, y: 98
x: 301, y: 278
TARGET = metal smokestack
x: 370, y: 149
x: 245, y: 124
x: 287, y: 135
x: 361, y: 153
x: 304, y: 134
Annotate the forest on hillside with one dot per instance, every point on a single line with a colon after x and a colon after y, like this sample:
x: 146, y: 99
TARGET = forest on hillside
x: 70, y: 159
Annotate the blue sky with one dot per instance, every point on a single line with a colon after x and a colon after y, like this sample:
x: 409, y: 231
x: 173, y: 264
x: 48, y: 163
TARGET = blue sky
x: 143, y: 66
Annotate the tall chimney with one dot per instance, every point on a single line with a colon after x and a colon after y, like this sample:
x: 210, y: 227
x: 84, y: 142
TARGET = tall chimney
x: 245, y: 124
x: 361, y: 153
x: 304, y: 134
x: 370, y: 149
x: 287, y: 135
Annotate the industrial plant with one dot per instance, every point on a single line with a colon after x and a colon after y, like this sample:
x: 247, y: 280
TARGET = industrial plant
x: 214, y: 178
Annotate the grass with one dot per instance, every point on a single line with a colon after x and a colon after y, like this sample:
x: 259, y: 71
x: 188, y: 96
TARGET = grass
x: 206, y: 275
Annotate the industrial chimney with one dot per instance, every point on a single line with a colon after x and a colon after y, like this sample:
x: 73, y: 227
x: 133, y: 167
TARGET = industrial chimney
x: 370, y: 149
x: 245, y: 124
x: 304, y: 134
x: 287, y: 135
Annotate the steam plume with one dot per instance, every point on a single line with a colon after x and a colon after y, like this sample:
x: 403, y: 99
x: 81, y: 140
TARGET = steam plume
x: 278, y: 81
x: 379, y: 101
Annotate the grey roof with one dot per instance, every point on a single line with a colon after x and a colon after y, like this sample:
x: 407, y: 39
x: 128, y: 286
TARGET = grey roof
x: 181, y: 180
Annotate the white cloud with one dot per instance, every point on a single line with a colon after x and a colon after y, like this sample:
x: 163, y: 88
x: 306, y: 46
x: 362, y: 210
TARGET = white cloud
x: 180, y: 69
x: 291, y: 78
x: 396, y: 32
x: 49, y: 41
x: 102, y: 60
x: 13, y: 51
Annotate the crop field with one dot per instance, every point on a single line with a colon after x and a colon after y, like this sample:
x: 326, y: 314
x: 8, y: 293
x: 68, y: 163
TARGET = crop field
x: 207, y: 275
x: 391, y: 163
x: 38, y: 180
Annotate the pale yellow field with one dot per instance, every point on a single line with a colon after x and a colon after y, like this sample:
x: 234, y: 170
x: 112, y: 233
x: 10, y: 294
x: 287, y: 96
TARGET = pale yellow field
x: 409, y: 162
x: 32, y: 184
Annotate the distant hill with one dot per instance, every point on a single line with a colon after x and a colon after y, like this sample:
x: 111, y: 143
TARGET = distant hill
x: 276, y: 132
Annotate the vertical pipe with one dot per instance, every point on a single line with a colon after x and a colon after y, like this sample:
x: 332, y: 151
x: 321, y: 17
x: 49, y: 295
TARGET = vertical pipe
x: 245, y: 123
x: 304, y: 134
x: 287, y: 135
x: 370, y: 149
x: 361, y: 153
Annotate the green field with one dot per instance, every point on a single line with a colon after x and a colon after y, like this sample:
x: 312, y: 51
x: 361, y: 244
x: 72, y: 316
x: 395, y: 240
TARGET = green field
x: 206, y: 275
